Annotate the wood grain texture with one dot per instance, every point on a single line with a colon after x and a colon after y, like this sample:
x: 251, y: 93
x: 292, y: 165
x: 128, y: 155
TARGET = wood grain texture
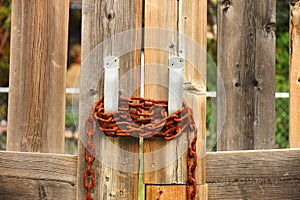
x: 179, y: 31
x: 246, y: 62
x: 294, y: 128
x: 37, y: 176
x: 162, y: 16
x: 269, y: 174
x: 166, y: 192
x: 161, y: 158
x: 192, y: 47
x: 251, y: 175
x: 36, y: 112
x: 116, y: 159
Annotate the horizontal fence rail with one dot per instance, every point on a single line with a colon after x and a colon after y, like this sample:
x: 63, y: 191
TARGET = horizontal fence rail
x: 278, y: 95
x: 230, y: 175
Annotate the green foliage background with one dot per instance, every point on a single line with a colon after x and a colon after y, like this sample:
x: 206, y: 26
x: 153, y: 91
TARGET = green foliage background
x: 282, y: 72
x: 5, y: 21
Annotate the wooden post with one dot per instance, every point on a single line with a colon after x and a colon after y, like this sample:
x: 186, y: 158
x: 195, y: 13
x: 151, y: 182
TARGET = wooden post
x: 161, y: 15
x: 181, y: 27
x: 116, y: 159
x: 295, y: 76
x: 246, y: 62
x: 36, y: 111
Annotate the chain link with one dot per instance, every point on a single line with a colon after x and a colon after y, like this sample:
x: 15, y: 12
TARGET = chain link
x: 89, y: 175
x: 192, y: 163
x: 140, y: 117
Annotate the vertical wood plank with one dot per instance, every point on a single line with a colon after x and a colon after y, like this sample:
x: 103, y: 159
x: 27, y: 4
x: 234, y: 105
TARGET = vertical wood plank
x: 295, y: 76
x: 192, y: 47
x: 116, y: 159
x: 163, y: 16
x: 183, y: 33
x: 246, y: 62
x: 39, y: 39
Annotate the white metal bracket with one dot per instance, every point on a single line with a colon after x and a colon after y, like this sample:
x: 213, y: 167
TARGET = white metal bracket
x: 111, y: 84
x: 176, y: 67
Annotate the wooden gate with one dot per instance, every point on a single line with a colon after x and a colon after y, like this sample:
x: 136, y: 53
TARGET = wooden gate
x: 34, y: 166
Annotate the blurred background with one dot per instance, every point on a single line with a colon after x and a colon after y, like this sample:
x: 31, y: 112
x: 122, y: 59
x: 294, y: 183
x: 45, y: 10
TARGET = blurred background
x: 73, y: 67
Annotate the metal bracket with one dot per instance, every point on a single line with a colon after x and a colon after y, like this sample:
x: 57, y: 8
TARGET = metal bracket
x: 176, y: 67
x: 111, y: 84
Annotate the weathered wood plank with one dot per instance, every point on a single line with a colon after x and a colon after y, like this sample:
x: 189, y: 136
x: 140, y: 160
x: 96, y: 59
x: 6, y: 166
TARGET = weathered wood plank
x: 169, y: 165
x: 161, y: 15
x: 192, y: 47
x: 246, y: 62
x: 27, y: 189
x: 166, y: 192
x: 270, y: 174
x: 37, y: 176
x: 36, y: 112
x: 160, y: 163
x: 295, y: 76
x: 116, y: 159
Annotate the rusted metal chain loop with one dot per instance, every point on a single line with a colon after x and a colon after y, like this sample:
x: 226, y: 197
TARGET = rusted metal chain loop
x: 192, y: 164
x: 147, y: 118
x: 89, y: 175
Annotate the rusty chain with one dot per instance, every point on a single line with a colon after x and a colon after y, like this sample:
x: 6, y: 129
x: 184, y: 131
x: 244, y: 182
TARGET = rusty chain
x: 147, y: 118
x: 191, y: 164
x: 89, y: 154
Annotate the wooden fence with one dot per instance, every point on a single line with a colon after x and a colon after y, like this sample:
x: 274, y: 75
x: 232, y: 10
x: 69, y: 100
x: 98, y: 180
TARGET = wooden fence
x: 34, y: 168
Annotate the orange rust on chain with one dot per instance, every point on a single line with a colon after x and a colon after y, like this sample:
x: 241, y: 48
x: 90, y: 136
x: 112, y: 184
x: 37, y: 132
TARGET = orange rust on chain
x: 89, y: 175
x: 147, y: 118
